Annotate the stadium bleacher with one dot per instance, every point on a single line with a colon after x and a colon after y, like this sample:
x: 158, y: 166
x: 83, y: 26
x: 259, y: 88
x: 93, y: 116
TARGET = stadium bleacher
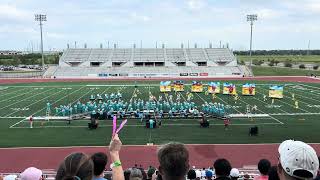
x: 148, y: 62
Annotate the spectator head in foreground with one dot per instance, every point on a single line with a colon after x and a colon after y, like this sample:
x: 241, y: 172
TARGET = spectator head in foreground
x: 135, y: 174
x: 222, y: 168
x: 174, y: 161
x: 234, y: 174
x: 264, y: 167
x: 31, y: 173
x: 191, y: 174
x: 273, y: 174
x: 76, y: 166
x: 99, y: 160
x: 297, y: 160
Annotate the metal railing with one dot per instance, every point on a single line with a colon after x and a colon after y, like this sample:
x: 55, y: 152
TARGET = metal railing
x: 12, y: 74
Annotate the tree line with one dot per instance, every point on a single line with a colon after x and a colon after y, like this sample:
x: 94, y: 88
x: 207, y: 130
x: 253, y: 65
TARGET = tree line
x: 279, y: 52
x: 28, y: 59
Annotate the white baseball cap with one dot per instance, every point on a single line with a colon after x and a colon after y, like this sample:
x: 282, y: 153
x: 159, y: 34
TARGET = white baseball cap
x: 234, y: 172
x: 31, y: 173
x: 298, y: 159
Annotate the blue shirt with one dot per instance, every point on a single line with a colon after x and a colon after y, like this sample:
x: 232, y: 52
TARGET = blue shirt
x: 99, y: 178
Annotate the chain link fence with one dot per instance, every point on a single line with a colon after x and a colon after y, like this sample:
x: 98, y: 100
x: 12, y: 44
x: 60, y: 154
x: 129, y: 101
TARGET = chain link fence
x: 11, y: 74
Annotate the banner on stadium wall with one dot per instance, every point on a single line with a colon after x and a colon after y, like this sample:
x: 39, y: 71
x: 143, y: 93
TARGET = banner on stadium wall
x: 193, y: 74
x: 249, y: 89
x: 165, y: 86
x: 178, y: 86
x: 204, y: 74
x: 229, y: 88
x: 276, y: 92
x: 183, y: 74
x: 103, y: 75
x: 214, y: 87
x: 197, y: 86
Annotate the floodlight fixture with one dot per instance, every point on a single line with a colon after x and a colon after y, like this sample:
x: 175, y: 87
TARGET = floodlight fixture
x: 251, y: 18
x: 41, y: 18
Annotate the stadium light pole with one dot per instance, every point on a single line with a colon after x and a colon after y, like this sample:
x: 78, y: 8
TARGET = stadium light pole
x: 251, y: 18
x: 41, y: 18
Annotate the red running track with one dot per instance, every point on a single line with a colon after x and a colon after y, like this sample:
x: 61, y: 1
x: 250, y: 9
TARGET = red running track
x: 17, y: 159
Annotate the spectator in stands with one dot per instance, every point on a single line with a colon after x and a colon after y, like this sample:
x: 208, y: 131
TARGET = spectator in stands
x: 75, y: 166
x: 234, y: 174
x: 297, y: 160
x: 198, y: 174
x: 143, y: 172
x: 209, y: 174
x: 174, y: 161
x: 31, y: 173
x: 150, y: 172
x: 191, y: 174
x: 135, y: 174
x: 273, y: 174
x: 127, y: 174
x: 222, y: 169
x: 9, y: 177
x: 264, y: 167
x: 246, y: 177
x: 203, y: 173
x: 99, y: 160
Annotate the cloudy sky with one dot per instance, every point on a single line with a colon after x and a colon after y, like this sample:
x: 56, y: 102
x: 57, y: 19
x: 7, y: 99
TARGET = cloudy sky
x: 282, y: 24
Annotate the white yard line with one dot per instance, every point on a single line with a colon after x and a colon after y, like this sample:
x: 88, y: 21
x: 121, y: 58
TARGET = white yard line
x: 45, y: 107
x: 126, y: 85
x: 307, y: 90
x: 13, y: 117
x: 239, y: 111
x: 272, y: 114
x: 183, y: 96
x: 17, y: 95
x: 12, y: 126
x: 267, y: 103
x: 264, y: 113
x: 218, y: 98
x: 287, y: 103
x: 36, y: 102
x: 298, y: 90
x: 66, y: 96
x: 71, y: 126
x: 26, y: 98
x: 294, y: 114
x: 10, y: 92
x: 315, y: 87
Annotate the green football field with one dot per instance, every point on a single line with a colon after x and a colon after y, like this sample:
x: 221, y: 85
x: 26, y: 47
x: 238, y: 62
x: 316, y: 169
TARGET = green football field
x: 281, y: 120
